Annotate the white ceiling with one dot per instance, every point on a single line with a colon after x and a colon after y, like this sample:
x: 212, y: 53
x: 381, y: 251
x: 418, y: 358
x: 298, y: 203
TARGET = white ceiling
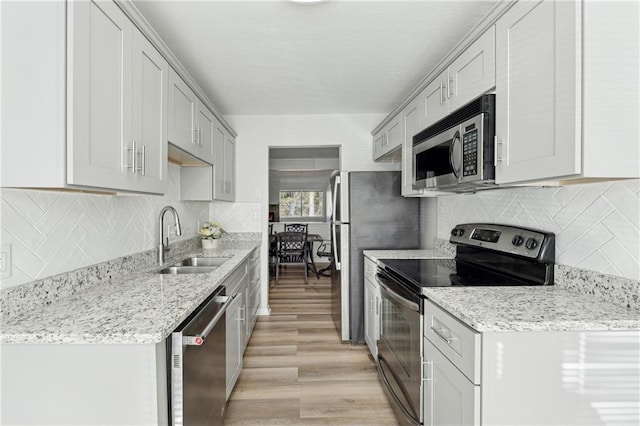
x: 340, y: 56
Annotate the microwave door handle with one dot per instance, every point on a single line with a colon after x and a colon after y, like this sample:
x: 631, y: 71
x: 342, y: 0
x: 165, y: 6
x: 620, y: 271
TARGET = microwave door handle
x: 452, y: 151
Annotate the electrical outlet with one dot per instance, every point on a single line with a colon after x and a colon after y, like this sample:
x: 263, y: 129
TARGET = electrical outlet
x: 5, y: 260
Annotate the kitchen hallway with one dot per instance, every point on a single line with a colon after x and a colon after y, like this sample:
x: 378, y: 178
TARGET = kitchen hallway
x: 296, y: 369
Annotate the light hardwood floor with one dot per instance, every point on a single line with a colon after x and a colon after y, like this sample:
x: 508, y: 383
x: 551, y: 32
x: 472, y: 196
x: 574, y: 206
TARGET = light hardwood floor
x: 298, y: 372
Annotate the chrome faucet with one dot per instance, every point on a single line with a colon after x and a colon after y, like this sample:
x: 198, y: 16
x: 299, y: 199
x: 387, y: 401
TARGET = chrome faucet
x: 161, y: 246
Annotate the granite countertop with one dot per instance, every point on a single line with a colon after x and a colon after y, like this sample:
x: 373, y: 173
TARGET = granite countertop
x: 141, y: 308
x: 376, y: 255
x: 536, y: 308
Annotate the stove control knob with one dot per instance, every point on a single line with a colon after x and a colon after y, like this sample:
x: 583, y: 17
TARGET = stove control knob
x: 457, y: 232
x: 517, y: 240
x: 531, y: 243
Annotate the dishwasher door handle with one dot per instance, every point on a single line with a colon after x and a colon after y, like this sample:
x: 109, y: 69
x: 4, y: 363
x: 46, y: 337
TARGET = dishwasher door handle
x: 197, y: 339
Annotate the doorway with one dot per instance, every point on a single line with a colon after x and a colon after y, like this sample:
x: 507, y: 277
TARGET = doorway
x: 300, y: 193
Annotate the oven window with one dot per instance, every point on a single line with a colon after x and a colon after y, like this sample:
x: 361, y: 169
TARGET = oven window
x: 433, y: 162
x: 396, y: 331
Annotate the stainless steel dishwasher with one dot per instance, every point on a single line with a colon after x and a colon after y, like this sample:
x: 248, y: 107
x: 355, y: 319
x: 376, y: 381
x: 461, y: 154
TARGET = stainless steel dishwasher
x: 197, y: 365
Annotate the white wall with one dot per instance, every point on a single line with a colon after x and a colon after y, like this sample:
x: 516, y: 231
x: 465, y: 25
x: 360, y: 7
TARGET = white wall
x: 256, y: 133
x: 53, y: 232
x: 597, y: 225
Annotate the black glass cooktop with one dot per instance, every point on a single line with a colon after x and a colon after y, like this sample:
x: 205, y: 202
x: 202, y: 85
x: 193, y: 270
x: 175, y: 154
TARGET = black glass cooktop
x: 452, y: 272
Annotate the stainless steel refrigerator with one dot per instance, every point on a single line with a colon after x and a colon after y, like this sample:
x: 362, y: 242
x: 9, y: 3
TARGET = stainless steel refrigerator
x: 368, y: 213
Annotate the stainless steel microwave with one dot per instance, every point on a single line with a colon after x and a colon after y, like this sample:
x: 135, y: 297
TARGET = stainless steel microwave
x: 457, y: 153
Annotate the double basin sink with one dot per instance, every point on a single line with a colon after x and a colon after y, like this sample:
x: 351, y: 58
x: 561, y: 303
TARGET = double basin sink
x: 195, y: 265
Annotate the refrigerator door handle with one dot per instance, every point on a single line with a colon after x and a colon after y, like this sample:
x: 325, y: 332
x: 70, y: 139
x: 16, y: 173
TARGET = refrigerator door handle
x: 336, y: 252
x: 336, y: 185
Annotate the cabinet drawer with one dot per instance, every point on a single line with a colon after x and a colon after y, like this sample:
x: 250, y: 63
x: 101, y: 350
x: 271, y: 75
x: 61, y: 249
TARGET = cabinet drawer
x: 235, y: 279
x: 459, y: 343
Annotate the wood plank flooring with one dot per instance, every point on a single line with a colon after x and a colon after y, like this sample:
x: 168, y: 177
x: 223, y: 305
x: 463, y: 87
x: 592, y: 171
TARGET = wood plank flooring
x: 298, y: 372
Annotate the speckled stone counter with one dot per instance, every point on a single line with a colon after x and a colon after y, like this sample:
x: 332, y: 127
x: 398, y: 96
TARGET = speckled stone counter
x: 376, y: 255
x: 138, y: 308
x: 503, y: 309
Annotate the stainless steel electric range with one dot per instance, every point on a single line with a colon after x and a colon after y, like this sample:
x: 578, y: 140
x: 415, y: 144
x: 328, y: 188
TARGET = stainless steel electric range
x: 486, y: 255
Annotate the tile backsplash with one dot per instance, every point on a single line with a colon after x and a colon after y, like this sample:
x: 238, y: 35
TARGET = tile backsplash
x: 597, y: 225
x: 51, y: 232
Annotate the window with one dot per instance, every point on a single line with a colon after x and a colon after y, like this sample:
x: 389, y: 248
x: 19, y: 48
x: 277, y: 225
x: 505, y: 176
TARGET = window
x: 298, y: 204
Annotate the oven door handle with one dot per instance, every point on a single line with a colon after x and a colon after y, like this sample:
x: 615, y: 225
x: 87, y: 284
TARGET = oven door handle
x: 395, y: 296
x: 382, y: 365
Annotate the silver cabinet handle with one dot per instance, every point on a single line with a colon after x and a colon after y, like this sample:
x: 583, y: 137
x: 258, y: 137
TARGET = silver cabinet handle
x: 450, y: 86
x: 427, y: 374
x: 241, y: 316
x: 144, y: 161
x: 440, y: 333
x: 498, y: 144
x: 132, y: 165
x: 441, y: 92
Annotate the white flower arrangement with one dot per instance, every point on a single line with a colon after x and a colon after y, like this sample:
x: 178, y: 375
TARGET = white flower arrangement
x: 211, y: 231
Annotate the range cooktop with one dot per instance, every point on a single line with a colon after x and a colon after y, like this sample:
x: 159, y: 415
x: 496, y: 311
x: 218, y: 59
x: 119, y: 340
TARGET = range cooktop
x: 486, y: 255
x: 449, y: 272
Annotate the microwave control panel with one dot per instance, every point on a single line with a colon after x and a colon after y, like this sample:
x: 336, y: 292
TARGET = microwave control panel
x: 470, y: 151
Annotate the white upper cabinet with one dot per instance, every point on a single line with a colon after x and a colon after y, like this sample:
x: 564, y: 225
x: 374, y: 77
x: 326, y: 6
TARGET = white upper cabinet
x: 537, y: 91
x: 388, y: 140
x: 470, y: 75
x: 473, y: 73
x: 191, y: 124
x: 206, y: 125
x: 100, y: 142
x: 117, y: 110
x: 182, y: 113
x: 411, y: 122
x: 564, y: 103
x: 224, y: 175
x: 105, y: 100
x: 150, y: 93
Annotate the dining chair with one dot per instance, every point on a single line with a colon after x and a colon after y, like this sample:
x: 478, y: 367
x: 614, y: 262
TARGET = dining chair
x: 296, y: 227
x: 291, y: 249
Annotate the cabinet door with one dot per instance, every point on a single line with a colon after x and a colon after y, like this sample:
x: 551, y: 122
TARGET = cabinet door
x: 206, y: 125
x: 99, y: 96
x: 229, y: 168
x: 150, y: 86
x: 182, y: 114
x: 537, y: 90
x: 411, y: 122
x: 473, y: 73
x: 234, y: 327
x: 395, y: 134
x: 449, y: 397
x: 434, y: 100
x: 378, y: 141
x: 371, y: 316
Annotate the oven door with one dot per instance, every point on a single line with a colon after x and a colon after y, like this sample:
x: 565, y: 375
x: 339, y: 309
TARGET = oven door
x: 399, y: 361
x: 437, y: 161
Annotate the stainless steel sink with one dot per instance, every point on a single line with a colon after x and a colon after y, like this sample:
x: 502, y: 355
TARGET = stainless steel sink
x: 203, y: 261
x: 195, y: 265
x: 187, y: 270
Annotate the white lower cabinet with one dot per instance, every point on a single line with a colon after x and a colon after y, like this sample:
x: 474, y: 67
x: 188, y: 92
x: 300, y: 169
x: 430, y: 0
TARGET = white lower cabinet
x: 527, y: 377
x: 371, y: 307
x: 236, y: 320
x: 450, y: 398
